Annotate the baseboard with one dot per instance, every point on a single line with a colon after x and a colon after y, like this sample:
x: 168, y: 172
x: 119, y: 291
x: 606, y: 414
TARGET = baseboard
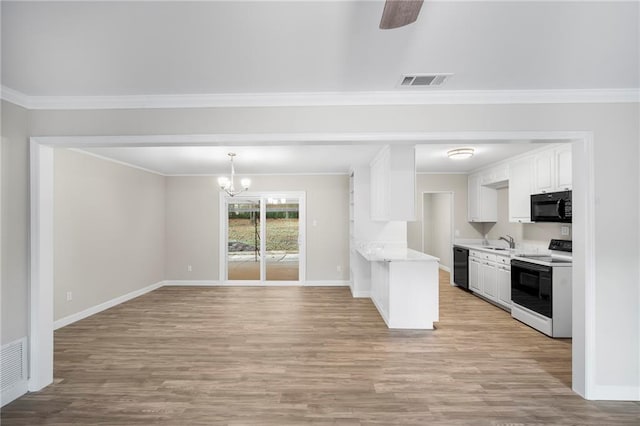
x: 357, y: 294
x: 13, y: 392
x: 445, y: 268
x: 105, y: 305
x: 327, y: 283
x: 192, y: 283
x: 614, y: 393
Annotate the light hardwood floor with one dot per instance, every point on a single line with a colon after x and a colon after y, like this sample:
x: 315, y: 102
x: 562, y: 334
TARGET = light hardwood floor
x: 294, y: 355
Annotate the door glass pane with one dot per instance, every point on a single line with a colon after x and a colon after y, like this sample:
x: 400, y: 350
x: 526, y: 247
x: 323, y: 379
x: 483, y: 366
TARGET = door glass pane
x: 281, y: 237
x: 243, y: 242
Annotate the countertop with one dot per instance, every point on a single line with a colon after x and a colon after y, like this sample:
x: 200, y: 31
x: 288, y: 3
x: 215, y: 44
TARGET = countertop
x: 395, y: 255
x: 491, y: 249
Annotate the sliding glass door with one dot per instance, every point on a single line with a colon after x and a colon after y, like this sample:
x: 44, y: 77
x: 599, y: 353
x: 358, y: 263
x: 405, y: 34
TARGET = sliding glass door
x: 243, y: 239
x: 282, y: 234
x: 263, y: 238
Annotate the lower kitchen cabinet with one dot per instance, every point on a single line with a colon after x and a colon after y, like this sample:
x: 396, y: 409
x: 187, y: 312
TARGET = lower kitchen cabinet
x: 489, y: 272
x: 490, y: 277
x: 504, y: 286
x: 474, y: 275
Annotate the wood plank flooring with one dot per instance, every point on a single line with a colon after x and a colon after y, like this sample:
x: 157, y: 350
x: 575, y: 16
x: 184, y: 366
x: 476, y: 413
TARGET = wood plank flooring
x: 296, y: 355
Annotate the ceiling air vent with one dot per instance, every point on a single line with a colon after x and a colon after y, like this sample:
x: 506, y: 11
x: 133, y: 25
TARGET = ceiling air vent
x: 423, y: 80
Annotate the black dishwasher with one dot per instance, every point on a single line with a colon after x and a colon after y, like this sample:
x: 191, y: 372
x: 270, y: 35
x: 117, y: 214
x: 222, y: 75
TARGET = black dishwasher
x: 461, y: 267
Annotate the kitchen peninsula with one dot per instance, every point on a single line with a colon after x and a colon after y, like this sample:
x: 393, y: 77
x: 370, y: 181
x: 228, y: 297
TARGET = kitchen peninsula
x: 404, y: 286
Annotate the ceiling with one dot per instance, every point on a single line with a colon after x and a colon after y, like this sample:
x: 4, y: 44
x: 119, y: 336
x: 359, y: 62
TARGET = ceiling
x: 118, y: 48
x: 292, y: 159
x: 149, y: 48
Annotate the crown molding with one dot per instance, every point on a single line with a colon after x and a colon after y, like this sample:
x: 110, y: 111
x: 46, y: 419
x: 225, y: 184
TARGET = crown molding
x: 399, y: 97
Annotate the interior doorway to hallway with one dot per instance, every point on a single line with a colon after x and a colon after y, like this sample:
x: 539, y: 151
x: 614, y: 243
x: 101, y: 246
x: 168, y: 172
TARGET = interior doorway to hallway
x: 437, y: 226
x: 263, y: 238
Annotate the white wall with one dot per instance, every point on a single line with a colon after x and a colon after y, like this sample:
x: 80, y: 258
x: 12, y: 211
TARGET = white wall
x: 193, y: 224
x: 615, y: 350
x: 532, y: 233
x: 15, y: 222
x: 109, y: 225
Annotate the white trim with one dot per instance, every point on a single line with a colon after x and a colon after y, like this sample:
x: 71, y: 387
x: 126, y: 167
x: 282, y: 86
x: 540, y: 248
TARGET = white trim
x: 287, y: 139
x: 615, y: 393
x: 361, y: 294
x: 192, y: 283
x: 41, y: 267
x: 13, y: 96
x: 444, y: 268
x: 113, y: 160
x: 326, y: 283
x: 398, y: 97
x: 251, y: 174
x: 14, y: 392
x: 62, y: 322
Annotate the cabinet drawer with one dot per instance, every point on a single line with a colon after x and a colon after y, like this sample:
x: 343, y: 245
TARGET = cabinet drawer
x: 504, y: 260
x: 488, y: 256
x: 476, y: 253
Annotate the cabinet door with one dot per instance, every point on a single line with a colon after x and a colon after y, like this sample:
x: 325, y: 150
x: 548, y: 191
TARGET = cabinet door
x: 473, y: 205
x: 520, y: 179
x: 504, y: 286
x: 563, y: 168
x: 379, y: 183
x: 544, y: 172
x: 474, y: 275
x: 489, y: 273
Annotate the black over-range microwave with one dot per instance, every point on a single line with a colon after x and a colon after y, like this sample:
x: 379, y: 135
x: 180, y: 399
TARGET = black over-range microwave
x: 551, y: 207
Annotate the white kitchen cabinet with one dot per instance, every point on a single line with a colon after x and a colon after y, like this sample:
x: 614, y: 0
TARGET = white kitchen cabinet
x: 520, y: 182
x: 552, y: 170
x: 495, y: 175
x: 474, y: 275
x: 504, y: 285
x: 489, y: 274
x: 482, y: 201
x: 544, y: 163
x: 393, y: 184
x: 563, y: 173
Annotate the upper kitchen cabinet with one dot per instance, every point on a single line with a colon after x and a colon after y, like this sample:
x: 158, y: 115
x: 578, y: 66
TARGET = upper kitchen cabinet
x: 393, y: 184
x: 563, y: 168
x: 482, y: 201
x: 520, y: 188
x: 552, y: 170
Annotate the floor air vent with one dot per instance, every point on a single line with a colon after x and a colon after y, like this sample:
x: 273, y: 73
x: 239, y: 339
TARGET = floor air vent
x: 423, y: 80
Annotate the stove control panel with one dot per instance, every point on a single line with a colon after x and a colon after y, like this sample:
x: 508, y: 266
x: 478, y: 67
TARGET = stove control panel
x: 561, y: 245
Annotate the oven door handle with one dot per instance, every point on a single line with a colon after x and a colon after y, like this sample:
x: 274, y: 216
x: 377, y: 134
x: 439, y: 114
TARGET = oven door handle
x: 529, y: 266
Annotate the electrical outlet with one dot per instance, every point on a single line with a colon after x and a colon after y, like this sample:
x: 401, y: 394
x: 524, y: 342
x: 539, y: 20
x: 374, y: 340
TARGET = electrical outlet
x: 564, y: 230
x: 189, y: 268
x: 339, y: 268
x: 69, y: 296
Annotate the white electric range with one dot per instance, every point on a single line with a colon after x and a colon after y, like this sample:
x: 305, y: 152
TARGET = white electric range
x: 541, y: 289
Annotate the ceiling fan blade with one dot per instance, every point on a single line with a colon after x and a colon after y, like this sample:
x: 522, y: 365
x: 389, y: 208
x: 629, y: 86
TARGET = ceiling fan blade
x: 398, y: 13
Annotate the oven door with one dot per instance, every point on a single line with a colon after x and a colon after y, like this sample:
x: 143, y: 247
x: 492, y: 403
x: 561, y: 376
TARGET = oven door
x: 531, y: 286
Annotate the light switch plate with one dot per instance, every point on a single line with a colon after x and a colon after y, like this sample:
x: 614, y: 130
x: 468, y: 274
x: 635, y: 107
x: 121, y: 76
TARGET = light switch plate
x: 564, y: 230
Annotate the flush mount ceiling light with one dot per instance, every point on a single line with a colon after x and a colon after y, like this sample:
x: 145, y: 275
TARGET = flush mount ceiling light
x: 460, y: 153
x: 227, y: 183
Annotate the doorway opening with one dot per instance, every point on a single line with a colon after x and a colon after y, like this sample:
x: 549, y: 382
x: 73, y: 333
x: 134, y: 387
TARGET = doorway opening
x: 437, y: 227
x: 263, y: 238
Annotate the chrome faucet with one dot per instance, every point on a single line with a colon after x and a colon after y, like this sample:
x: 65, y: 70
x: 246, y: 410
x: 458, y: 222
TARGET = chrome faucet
x: 509, y: 239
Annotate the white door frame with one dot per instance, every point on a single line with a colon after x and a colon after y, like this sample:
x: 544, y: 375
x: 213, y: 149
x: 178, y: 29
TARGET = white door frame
x: 41, y: 225
x: 224, y: 235
x: 452, y: 218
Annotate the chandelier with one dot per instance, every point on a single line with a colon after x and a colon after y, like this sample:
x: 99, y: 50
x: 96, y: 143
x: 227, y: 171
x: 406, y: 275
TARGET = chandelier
x: 227, y: 183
